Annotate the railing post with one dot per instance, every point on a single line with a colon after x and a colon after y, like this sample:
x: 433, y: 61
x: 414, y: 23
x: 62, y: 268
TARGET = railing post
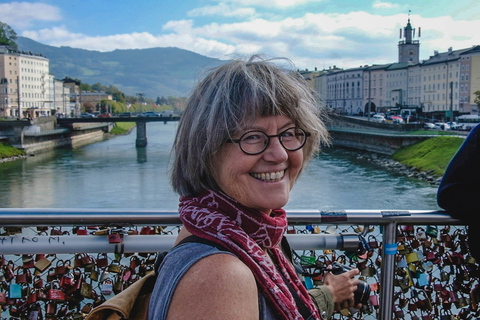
x: 388, y: 270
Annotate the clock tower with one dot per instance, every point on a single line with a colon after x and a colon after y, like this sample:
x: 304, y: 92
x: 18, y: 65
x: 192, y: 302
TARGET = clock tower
x: 408, y: 48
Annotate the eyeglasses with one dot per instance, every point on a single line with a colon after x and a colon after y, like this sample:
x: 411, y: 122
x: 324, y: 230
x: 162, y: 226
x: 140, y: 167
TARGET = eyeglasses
x: 255, y: 142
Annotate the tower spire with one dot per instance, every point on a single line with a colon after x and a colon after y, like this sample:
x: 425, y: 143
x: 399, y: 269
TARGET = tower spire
x: 408, y: 48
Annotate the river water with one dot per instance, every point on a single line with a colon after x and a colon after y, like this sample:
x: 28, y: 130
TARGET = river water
x: 115, y: 174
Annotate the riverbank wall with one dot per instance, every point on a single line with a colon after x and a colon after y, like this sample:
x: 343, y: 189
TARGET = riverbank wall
x: 43, y: 134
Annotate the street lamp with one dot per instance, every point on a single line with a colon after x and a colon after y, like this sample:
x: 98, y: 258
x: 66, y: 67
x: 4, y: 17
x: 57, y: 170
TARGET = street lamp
x: 141, y: 96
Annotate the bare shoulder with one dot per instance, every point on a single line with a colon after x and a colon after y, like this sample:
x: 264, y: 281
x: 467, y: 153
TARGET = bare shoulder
x: 219, y: 286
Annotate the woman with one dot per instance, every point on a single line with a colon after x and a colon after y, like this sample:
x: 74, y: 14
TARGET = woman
x: 246, y: 134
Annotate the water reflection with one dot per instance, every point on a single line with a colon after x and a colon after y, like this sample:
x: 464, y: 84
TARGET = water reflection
x: 115, y: 174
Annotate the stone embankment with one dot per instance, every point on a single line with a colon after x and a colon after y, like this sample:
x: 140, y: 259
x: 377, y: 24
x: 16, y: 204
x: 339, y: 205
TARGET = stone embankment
x: 397, y: 167
x: 8, y: 159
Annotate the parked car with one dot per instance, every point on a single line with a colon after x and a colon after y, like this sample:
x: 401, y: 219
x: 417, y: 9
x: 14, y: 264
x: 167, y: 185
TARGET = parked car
x: 442, y: 126
x: 378, y: 118
x: 166, y: 113
x: 428, y: 125
x: 396, y: 119
x: 105, y: 115
x: 87, y: 115
x: 455, y: 126
x: 149, y: 114
x: 125, y: 115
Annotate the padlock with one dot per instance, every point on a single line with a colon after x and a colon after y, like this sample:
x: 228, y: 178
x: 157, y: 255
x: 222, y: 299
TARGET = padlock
x: 102, y: 260
x: 106, y: 287
x: 55, y: 293
x: 27, y: 260
x: 51, y: 274
x: 21, y: 276
x: 369, y: 271
x: 87, y: 261
x: 82, y: 231
x: 34, y: 312
x: 87, y: 291
x: 3, y: 298
x: 42, y: 263
x: 67, y: 281
x: 118, y: 284
x: 51, y: 308
x: 115, y: 266
x: 432, y: 231
x: 115, y: 238
x: 412, y: 257
x: 145, y: 230
x: 15, y: 291
x: 422, y: 280
x: 60, y: 268
x: 56, y: 231
x: 373, y: 299
x: 32, y: 296
x: 87, y: 308
x: 94, y: 274
x: 372, y: 242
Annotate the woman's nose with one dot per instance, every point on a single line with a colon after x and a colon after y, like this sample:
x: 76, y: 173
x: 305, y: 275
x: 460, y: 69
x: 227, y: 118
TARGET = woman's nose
x: 275, y: 151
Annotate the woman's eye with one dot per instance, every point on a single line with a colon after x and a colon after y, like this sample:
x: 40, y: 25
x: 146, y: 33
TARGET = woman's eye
x: 252, y: 138
x: 288, y: 134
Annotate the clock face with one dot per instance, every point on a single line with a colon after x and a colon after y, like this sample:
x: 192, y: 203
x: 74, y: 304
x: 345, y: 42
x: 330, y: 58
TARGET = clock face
x: 410, y: 53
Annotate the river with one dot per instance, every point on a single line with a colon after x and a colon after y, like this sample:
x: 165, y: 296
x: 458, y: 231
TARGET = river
x: 115, y: 174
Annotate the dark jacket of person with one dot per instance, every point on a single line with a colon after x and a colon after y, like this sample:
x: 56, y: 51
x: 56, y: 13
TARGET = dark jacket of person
x: 459, y: 190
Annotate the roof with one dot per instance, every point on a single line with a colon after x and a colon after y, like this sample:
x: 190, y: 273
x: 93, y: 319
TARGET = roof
x: 442, y: 57
x: 398, y: 66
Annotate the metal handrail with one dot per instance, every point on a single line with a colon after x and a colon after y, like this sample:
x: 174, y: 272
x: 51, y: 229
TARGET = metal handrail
x: 389, y: 219
x: 117, y: 217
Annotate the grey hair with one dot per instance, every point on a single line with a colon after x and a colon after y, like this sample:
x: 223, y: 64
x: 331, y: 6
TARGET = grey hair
x: 226, y: 101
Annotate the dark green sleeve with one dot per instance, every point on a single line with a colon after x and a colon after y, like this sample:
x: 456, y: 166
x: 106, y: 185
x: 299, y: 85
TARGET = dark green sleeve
x: 323, y: 299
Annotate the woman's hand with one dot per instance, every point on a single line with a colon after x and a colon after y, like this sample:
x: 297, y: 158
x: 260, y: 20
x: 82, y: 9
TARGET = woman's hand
x: 342, y: 287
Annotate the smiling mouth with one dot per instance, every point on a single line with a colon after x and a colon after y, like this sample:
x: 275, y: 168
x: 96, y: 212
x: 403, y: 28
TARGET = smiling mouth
x: 269, y: 176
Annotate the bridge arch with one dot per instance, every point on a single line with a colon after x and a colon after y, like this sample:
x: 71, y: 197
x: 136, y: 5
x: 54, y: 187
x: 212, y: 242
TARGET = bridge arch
x: 373, y: 108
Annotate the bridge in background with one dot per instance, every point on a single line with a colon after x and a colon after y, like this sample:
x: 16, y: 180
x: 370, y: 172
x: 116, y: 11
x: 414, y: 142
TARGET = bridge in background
x: 140, y: 121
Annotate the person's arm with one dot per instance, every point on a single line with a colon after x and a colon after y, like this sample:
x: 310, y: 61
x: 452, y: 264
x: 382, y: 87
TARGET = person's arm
x: 216, y: 287
x: 323, y: 299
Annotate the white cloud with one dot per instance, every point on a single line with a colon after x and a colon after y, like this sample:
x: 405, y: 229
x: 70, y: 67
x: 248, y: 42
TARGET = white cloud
x: 378, y: 4
x: 55, y: 34
x: 222, y: 9
x: 314, y: 39
x: 23, y: 14
x: 273, y: 3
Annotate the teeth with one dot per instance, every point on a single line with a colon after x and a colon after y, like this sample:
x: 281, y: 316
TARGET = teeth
x: 269, y: 176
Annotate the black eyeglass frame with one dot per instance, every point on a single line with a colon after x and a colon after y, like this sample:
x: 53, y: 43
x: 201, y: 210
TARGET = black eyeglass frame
x: 279, y: 136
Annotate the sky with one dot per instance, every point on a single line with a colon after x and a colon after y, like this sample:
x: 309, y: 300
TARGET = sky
x: 312, y: 33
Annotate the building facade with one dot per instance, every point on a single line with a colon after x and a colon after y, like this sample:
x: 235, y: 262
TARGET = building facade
x: 9, y: 73
x: 441, y: 87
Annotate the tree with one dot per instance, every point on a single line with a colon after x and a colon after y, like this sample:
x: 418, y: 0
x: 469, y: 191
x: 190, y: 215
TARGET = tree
x: 477, y: 98
x: 7, y: 36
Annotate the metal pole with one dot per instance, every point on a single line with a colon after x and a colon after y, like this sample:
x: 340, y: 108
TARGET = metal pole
x: 388, y: 270
x: 125, y: 217
x: 30, y: 244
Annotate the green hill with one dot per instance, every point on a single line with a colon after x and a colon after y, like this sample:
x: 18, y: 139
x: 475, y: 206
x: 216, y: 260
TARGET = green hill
x: 156, y: 72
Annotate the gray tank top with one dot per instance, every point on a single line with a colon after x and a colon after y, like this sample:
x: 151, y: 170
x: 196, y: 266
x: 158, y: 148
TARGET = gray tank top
x: 174, y: 266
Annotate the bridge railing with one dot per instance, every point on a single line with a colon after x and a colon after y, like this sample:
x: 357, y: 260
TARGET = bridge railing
x: 402, y: 254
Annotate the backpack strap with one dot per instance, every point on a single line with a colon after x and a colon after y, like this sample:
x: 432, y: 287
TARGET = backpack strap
x: 161, y: 255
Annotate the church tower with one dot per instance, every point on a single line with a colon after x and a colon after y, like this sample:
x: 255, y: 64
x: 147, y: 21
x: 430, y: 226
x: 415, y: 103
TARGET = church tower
x: 408, y: 49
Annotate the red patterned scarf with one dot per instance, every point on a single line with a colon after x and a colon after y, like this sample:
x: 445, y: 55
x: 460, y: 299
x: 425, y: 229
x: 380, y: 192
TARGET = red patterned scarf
x: 246, y: 233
